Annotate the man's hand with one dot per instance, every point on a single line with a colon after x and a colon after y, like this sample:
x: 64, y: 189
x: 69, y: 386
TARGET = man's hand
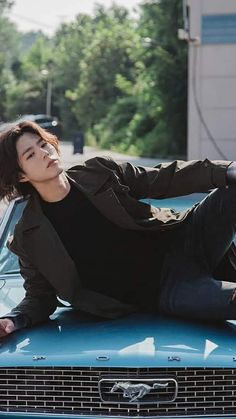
x: 6, y: 327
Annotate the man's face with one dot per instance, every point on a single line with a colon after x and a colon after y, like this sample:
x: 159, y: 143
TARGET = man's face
x: 34, y: 157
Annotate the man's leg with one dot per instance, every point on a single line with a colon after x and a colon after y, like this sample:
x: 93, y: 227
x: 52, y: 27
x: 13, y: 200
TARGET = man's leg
x: 188, y: 287
x: 188, y: 291
x: 212, y: 228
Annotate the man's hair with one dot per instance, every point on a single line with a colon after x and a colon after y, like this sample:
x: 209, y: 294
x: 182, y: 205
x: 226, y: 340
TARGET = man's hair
x: 10, y: 170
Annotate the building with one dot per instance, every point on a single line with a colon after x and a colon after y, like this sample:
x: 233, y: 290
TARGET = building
x: 211, y: 25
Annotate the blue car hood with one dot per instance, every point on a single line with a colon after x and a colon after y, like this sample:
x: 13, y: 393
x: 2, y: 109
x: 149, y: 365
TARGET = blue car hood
x: 72, y: 338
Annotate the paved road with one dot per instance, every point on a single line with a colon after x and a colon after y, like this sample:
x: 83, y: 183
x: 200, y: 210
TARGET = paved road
x: 89, y: 152
x: 71, y: 159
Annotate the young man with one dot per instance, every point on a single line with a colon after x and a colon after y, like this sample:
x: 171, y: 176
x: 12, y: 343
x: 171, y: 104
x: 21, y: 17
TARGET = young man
x: 86, y: 237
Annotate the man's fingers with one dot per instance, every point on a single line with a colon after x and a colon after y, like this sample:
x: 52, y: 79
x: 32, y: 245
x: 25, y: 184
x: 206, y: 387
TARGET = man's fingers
x: 6, y: 327
x: 10, y: 328
x: 3, y: 331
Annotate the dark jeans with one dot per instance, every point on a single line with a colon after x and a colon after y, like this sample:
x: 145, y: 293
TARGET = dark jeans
x: 188, y: 286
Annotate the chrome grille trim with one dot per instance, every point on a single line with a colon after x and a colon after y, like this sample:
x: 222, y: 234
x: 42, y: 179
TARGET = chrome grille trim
x: 74, y: 391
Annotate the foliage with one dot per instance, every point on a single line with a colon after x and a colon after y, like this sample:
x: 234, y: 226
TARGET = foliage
x: 28, y: 39
x: 5, y: 5
x: 27, y: 92
x: 70, y: 45
x: 159, y: 92
x: 8, y: 52
x: 108, y: 53
x: 120, y: 79
x: 166, y: 63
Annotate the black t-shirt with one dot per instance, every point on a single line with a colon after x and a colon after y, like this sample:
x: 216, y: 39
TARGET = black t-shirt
x: 124, y: 264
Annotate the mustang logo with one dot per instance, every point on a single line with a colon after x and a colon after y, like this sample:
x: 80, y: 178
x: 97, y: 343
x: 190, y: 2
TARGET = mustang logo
x: 135, y: 391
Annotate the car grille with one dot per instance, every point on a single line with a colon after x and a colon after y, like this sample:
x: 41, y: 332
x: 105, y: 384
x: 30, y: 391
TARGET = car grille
x: 201, y: 391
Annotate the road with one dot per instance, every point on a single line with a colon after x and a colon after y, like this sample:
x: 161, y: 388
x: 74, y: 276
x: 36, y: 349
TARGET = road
x: 89, y: 152
x: 69, y: 159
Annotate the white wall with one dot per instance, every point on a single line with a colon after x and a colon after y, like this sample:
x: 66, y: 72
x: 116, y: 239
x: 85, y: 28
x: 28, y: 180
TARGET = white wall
x: 215, y: 73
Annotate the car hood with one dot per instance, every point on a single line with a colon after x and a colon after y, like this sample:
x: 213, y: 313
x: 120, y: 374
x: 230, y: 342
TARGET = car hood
x: 72, y: 338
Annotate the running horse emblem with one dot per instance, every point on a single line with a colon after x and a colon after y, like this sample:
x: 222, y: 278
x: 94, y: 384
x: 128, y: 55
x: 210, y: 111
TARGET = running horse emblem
x: 135, y: 391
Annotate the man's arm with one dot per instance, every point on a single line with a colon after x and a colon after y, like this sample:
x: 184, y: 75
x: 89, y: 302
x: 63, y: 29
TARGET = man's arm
x: 39, y: 303
x: 177, y: 178
x: 168, y: 180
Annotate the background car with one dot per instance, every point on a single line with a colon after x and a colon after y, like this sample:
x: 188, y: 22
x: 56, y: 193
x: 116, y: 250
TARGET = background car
x: 79, y: 366
x: 50, y: 123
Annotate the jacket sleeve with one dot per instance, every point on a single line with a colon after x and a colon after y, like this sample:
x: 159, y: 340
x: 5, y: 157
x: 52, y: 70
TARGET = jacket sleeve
x: 172, y: 179
x: 40, y: 299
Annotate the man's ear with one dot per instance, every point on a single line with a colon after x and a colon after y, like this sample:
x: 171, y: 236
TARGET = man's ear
x: 23, y: 177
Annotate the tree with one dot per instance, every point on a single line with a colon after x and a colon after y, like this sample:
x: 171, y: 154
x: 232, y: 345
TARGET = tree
x: 27, y: 92
x: 107, y: 53
x: 156, y: 101
x: 5, y: 5
x: 9, y: 38
x: 70, y: 43
x: 122, y: 80
x: 166, y: 63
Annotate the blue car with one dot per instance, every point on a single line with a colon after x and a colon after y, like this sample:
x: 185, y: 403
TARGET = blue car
x: 79, y: 366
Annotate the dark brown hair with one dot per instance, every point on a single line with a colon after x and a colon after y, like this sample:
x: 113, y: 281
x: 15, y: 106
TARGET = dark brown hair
x: 10, y: 187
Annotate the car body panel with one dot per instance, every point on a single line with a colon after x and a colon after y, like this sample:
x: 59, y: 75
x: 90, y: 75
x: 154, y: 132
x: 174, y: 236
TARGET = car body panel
x: 72, y: 338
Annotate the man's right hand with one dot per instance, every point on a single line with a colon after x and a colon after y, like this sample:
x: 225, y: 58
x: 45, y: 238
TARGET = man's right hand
x: 6, y: 327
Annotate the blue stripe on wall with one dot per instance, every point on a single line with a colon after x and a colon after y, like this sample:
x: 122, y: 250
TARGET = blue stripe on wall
x: 219, y: 29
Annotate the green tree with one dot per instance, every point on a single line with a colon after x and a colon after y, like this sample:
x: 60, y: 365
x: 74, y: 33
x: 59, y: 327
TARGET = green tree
x: 107, y: 54
x: 28, y: 39
x: 155, y: 123
x: 27, y: 92
x: 122, y: 80
x: 70, y: 43
x: 5, y: 5
x: 165, y: 62
x: 9, y: 38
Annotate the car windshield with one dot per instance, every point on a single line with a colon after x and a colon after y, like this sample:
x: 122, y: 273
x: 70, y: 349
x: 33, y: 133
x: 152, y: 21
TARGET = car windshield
x: 8, y: 260
x: 43, y: 120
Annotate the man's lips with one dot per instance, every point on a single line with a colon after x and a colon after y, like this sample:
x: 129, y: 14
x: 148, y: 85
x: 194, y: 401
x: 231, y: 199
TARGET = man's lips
x: 51, y: 162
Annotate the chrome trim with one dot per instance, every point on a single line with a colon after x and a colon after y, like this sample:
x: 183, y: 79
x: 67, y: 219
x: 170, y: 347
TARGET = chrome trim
x: 174, y: 358
x: 139, y: 380
x: 5, y: 218
x: 85, y: 381
x: 67, y: 415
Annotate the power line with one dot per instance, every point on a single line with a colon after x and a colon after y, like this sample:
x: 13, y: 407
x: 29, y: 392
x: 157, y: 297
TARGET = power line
x: 36, y: 22
x: 194, y: 42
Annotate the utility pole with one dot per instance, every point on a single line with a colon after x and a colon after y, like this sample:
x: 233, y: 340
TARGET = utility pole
x: 49, y: 96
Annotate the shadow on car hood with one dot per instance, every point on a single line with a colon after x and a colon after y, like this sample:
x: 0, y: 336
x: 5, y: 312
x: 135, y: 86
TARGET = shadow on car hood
x: 72, y: 338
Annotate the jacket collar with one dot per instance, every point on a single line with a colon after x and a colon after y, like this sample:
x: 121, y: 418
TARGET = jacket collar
x: 85, y: 179
x: 33, y: 215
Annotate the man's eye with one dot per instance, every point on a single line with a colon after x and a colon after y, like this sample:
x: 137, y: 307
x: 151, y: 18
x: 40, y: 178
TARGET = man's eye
x: 44, y: 144
x: 29, y: 156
